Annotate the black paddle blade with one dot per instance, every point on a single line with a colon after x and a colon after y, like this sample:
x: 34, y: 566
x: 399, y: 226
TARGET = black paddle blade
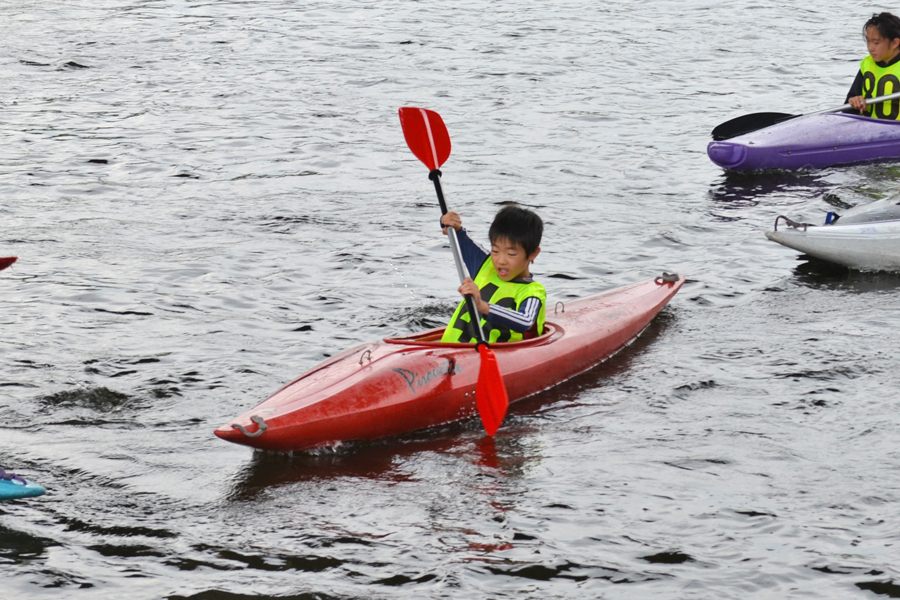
x: 747, y: 123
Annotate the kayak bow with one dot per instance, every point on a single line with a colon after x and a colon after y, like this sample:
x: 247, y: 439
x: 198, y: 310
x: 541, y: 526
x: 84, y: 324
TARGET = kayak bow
x: 810, y: 142
x: 860, y: 239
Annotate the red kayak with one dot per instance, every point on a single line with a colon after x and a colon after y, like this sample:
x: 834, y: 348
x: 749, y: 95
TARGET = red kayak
x: 5, y: 261
x: 400, y: 385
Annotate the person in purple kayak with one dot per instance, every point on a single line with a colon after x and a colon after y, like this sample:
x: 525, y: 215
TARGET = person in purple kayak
x: 879, y: 71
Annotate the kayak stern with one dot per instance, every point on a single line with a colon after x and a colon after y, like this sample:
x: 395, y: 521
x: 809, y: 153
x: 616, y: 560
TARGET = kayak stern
x: 727, y: 154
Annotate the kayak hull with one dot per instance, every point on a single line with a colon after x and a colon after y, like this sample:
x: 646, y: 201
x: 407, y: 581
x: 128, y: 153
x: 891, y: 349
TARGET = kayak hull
x: 6, y: 261
x: 886, y: 209
x: 873, y: 246
x: 16, y: 488
x: 810, y: 142
x: 401, y: 385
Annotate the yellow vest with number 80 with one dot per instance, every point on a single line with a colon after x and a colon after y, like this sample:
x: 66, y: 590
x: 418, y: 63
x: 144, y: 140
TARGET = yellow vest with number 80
x: 880, y: 81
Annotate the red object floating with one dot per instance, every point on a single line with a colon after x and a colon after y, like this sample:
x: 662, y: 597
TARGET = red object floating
x: 401, y: 385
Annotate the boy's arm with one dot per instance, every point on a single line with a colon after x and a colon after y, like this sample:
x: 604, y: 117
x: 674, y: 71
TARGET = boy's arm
x: 517, y: 320
x: 472, y: 254
x: 521, y: 320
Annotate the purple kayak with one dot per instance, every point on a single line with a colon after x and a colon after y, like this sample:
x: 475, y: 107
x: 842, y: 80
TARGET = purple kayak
x: 810, y: 142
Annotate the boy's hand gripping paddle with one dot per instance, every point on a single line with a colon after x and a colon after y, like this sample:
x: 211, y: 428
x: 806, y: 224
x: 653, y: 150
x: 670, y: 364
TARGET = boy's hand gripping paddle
x: 427, y: 137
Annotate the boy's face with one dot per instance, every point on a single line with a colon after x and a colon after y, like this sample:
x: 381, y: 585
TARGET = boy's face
x: 510, y: 259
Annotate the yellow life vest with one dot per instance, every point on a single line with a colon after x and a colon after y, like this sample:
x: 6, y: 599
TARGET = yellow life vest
x: 508, y: 294
x: 879, y: 81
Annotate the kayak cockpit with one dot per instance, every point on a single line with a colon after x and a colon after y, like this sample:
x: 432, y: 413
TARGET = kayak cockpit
x: 432, y: 339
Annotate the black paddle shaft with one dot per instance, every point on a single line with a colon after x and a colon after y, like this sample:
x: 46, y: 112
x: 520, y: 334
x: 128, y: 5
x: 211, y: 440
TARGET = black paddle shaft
x: 474, y: 317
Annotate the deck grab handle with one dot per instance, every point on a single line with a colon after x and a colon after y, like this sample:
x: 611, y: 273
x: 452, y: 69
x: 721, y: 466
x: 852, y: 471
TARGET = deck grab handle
x: 667, y: 278
x: 256, y: 419
x: 366, y: 352
x: 791, y: 223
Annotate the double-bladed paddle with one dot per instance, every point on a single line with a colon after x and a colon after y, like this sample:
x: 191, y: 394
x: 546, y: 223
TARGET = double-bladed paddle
x: 427, y: 137
x: 752, y: 122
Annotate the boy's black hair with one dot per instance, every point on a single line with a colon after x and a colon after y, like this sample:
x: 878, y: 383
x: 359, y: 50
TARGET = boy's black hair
x: 518, y: 225
x: 888, y: 25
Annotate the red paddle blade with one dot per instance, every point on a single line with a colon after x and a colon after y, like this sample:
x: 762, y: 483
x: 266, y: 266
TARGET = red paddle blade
x: 7, y: 260
x: 426, y: 135
x: 490, y: 392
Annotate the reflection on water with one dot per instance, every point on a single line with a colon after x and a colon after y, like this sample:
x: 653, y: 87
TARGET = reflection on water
x: 18, y: 546
x: 820, y: 274
x: 384, y: 460
x: 740, y: 190
x: 571, y: 391
x: 368, y: 460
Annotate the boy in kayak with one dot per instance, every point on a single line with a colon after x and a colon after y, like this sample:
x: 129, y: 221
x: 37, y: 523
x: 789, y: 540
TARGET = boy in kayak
x: 509, y: 301
x: 879, y: 72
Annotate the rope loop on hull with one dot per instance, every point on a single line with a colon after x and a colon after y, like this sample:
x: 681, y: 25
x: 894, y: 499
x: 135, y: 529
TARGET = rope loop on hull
x: 667, y: 278
x: 791, y: 223
x: 261, y: 427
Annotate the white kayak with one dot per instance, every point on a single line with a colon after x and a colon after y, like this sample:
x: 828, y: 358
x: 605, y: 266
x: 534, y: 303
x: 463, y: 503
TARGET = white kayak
x: 865, y: 237
x: 887, y: 209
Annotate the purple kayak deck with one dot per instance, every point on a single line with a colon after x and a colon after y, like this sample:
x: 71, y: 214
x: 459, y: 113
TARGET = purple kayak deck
x: 810, y: 142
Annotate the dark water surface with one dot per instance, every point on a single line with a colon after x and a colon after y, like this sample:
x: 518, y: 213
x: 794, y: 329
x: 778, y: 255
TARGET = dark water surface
x: 209, y: 198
